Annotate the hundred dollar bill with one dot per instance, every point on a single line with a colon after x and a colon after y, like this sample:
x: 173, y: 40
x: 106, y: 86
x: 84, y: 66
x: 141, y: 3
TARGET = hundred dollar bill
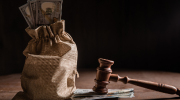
x: 32, y: 5
x: 88, y: 94
x: 123, y: 95
x: 100, y: 97
x: 120, y: 91
x: 25, y: 10
x: 47, y: 11
x: 110, y: 91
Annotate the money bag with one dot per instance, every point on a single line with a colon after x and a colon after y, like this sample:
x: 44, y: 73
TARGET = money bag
x: 50, y: 66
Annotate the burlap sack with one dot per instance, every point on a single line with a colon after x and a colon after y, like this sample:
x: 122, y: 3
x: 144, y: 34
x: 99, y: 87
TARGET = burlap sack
x: 51, y: 64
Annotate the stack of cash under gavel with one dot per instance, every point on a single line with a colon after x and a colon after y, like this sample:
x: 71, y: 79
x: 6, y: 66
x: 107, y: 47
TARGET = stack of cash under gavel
x: 41, y: 12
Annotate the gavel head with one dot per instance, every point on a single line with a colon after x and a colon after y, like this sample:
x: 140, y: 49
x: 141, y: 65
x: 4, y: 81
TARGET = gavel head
x: 102, y: 77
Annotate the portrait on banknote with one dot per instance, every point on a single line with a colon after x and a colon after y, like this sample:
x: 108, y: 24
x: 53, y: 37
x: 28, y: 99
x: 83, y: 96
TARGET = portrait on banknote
x: 48, y: 11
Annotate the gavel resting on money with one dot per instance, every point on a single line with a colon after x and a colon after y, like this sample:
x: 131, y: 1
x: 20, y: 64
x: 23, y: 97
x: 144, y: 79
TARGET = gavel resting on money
x: 104, y: 75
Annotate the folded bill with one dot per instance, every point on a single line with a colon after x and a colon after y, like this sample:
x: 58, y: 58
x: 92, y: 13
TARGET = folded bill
x: 25, y: 10
x: 32, y: 5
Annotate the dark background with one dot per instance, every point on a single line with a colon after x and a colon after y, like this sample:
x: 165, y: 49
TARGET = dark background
x: 136, y: 34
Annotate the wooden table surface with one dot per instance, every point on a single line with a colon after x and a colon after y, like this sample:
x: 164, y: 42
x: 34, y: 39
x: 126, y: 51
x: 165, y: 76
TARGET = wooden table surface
x: 10, y: 84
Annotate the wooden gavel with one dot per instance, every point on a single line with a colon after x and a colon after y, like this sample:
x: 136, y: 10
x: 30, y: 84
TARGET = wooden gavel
x: 104, y: 75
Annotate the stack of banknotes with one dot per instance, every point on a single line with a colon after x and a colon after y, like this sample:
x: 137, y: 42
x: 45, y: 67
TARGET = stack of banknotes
x: 41, y: 12
x: 89, y: 94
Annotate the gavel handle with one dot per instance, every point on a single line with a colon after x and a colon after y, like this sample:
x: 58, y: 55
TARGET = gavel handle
x: 146, y: 84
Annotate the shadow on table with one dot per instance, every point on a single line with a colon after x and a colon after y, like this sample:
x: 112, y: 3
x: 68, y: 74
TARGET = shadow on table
x: 139, y: 99
x: 164, y: 98
x: 108, y: 99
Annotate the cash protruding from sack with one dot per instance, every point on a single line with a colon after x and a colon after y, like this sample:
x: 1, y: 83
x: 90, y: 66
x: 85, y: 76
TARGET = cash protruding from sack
x: 51, y: 64
x: 41, y: 12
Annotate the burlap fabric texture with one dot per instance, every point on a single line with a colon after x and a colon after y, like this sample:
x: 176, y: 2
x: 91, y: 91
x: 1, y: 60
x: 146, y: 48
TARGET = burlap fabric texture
x: 51, y: 64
